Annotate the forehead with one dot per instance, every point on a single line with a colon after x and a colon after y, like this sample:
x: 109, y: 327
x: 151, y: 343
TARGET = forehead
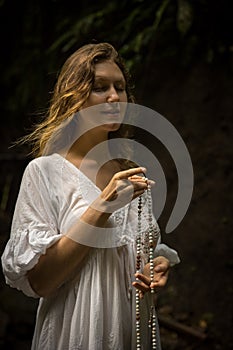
x: 108, y: 70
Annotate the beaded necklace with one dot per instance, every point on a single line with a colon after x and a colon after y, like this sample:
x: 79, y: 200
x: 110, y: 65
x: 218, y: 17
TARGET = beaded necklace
x: 150, y: 249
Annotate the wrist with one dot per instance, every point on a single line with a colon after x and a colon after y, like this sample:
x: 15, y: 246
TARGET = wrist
x: 95, y: 215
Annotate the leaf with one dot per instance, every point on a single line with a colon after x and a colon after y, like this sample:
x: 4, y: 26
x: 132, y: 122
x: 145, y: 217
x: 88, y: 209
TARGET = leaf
x: 184, y: 16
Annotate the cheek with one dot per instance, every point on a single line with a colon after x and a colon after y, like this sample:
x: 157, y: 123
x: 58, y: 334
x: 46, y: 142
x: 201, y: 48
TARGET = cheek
x: 95, y: 99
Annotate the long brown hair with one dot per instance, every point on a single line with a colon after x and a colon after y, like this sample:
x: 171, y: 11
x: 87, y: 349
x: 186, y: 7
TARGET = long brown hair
x: 73, y: 88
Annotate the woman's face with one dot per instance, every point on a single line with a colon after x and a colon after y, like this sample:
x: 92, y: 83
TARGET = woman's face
x: 108, y: 90
x: 109, y: 85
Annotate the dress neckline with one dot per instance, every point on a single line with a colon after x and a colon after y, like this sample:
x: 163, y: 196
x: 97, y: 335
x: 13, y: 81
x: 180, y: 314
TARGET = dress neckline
x: 80, y: 172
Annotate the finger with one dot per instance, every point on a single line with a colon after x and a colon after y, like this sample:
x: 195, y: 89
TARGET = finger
x: 138, y: 186
x: 161, y: 268
x: 159, y: 284
x: 137, y: 177
x: 125, y: 183
x: 141, y: 179
x: 144, y: 288
x: 160, y: 260
x: 129, y: 172
x: 161, y: 264
x: 161, y: 278
x: 129, y: 190
x: 143, y: 278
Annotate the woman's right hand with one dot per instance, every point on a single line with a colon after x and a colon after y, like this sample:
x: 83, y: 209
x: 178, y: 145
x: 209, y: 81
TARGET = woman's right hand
x: 123, y: 187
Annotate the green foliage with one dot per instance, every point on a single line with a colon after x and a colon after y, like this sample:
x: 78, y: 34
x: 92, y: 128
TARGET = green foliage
x: 131, y: 25
x: 38, y: 36
x: 141, y: 29
x: 184, y: 16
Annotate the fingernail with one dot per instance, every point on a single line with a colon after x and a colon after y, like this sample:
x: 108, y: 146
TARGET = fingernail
x: 151, y: 182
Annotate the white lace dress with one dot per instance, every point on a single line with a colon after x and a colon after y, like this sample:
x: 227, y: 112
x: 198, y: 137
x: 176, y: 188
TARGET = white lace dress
x: 94, y: 310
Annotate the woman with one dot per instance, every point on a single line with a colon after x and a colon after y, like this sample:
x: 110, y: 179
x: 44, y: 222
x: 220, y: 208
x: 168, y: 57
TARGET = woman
x: 85, y: 284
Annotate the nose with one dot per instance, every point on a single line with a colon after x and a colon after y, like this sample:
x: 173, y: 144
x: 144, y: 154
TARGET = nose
x: 113, y: 95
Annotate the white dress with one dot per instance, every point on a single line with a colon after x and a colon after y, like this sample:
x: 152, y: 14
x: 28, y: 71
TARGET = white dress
x: 95, y: 309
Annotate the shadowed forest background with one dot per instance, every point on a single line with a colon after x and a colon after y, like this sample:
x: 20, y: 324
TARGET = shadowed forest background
x: 180, y: 55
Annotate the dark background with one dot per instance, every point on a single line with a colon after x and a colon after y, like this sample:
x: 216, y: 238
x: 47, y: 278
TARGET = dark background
x: 180, y: 54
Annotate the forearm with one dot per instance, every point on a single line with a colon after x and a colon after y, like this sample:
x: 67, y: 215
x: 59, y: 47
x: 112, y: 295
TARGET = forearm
x: 63, y: 258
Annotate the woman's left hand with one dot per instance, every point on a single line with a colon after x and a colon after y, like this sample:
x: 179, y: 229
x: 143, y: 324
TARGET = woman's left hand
x: 161, y: 270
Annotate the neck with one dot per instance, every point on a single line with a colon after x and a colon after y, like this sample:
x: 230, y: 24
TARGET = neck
x: 87, y: 143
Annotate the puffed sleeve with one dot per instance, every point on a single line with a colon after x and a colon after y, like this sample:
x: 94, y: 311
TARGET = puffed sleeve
x: 34, y: 228
x: 169, y: 253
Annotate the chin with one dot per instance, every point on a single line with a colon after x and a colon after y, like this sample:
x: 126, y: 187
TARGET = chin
x: 112, y: 126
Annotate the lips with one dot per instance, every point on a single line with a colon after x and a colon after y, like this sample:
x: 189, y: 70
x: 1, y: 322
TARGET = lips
x: 111, y: 108
x: 111, y: 111
x: 111, y: 116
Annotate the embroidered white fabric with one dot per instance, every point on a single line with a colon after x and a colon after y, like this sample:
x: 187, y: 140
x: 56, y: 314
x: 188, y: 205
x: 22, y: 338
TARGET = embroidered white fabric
x: 95, y: 308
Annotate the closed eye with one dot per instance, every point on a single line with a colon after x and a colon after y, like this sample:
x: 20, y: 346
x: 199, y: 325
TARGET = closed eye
x: 120, y: 88
x: 99, y: 88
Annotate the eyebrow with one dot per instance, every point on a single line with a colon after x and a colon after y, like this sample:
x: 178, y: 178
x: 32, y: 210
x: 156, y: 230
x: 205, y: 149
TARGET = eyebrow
x: 101, y: 78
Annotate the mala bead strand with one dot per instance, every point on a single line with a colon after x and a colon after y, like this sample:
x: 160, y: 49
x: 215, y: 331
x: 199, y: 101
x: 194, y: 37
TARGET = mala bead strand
x: 152, y: 322
x: 138, y: 333
x: 138, y: 269
x: 152, y: 325
x: 150, y: 251
x: 151, y: 238
x: 153, y: 330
